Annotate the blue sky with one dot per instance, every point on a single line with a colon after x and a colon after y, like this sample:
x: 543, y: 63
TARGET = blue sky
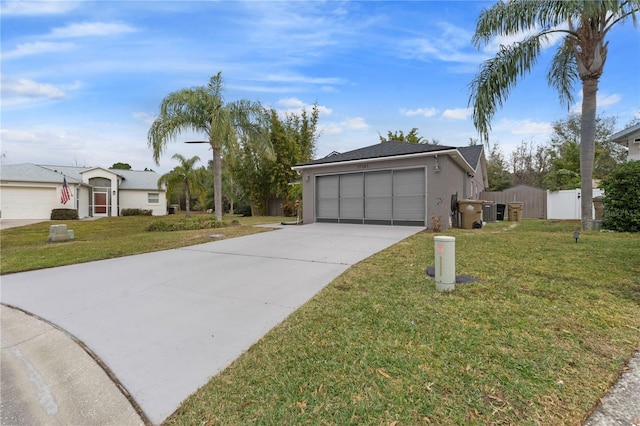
x: 82, y: 80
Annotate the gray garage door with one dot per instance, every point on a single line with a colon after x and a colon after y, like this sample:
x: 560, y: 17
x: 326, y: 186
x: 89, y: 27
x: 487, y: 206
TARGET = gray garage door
x: 390, y: 197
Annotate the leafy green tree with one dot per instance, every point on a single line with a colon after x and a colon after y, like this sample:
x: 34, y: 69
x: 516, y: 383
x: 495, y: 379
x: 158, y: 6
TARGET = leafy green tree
x: 411, y: 137
x: 293, y: 140
x: 186, y: 177
x: 622, y: 198
x: 121, y: 166
x: 564, y: 152
x: 529, y: 164
x: 497, y: 173
x: 203, y: 109
x: 582, y: 54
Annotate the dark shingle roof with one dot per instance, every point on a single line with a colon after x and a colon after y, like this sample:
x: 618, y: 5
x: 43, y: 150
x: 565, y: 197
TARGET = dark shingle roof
x: 380, y: 150
x: 471, y: 154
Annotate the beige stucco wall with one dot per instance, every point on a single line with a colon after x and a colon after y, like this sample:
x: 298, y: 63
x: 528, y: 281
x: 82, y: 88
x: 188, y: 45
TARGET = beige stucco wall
x: 130, y: 199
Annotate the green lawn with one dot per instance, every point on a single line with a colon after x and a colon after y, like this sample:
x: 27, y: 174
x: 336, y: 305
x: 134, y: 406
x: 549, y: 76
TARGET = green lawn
x: 26, y: 248
x: 538, y: 340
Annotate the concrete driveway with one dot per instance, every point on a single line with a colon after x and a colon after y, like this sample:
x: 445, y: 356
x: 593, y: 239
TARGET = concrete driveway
x: 164, y: 323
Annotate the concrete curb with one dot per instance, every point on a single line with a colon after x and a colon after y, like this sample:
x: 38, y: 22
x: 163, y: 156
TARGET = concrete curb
x: 49, y: 377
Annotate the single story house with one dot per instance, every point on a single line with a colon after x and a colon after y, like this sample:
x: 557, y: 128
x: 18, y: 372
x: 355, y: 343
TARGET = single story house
x: 392, y: 183
x: 629, y: 137
x: 30, y: 191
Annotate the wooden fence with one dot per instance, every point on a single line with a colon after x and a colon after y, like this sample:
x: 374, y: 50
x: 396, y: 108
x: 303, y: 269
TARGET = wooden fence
x: 534, y: 199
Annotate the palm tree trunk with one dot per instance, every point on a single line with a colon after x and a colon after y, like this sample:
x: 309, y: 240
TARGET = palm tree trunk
x: 587, y: 150
x: 187, y: 201
x: 217, y: 183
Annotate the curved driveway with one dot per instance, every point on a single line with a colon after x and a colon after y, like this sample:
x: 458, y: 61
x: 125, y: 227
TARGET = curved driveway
x: 166, y: 322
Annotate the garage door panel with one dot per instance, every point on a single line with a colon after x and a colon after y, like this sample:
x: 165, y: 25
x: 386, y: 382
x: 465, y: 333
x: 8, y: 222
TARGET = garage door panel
x: 408, y: 182
x: 378, y: 208
x: 408, y: 208
x: 379, y: 184
x: 351, y: 208
x: 28, y: 203
x: 327, y: 191
x: 380, y: 197
x: 352, y: 186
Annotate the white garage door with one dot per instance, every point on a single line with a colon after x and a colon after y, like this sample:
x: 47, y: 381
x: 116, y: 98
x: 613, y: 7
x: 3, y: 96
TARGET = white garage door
x: 390, y: 197
x: 28, y: 203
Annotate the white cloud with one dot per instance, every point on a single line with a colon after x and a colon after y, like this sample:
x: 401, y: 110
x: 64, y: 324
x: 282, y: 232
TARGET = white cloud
x: 295, y: 106
x: 294, y: 78
x: 457, y: 113
x: 356, y: 123
x: 426, y: 112
x: 329, y: 129
x: 451, y: 44
x: 526, y: 127
x: 86, y: 29
x: 23, y: 7
x: 21, y: 91
x: 35, y: 48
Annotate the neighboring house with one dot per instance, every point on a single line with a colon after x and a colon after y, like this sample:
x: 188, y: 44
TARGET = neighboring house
x: 629, y: 137
x: 391, y: 183
x: 30, y: 191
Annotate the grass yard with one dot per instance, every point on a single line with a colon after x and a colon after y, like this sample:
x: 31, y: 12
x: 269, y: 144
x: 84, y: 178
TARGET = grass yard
x: 26, y: 248
x: 538, y: 340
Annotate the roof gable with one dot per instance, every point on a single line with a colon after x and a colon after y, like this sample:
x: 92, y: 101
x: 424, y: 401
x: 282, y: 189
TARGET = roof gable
x: 472, y: 154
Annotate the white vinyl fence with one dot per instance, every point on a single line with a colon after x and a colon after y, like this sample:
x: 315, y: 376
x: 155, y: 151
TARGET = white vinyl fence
x: 565, y: 204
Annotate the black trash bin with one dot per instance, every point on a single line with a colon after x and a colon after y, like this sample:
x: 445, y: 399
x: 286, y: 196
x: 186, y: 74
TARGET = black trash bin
x: 172, y: 210
x: 500, y: 211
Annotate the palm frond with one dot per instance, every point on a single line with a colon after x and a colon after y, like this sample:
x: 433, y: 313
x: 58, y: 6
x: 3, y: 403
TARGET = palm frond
x: 523, y: 16
x: 497, y: 76
x: 563, y: 73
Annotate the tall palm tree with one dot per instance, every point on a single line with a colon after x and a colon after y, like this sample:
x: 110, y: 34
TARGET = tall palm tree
x: 186, y: 176
x: 202, y: 110
x: 582, y: 54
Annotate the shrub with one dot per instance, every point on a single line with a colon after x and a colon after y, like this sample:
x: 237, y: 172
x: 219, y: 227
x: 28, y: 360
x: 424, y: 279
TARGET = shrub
x: 136, y: 212
x: 622, y: 198
x: 186, y: 224
x: 64, y: 214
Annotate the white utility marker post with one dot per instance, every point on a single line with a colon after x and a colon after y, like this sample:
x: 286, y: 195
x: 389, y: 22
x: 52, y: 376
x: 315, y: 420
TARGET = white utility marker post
x: 445, y: 258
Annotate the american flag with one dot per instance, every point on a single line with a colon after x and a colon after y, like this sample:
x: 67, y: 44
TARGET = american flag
x: 66, y: 195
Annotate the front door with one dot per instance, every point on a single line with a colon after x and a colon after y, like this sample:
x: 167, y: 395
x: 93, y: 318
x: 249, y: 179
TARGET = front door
x: 100, y: 203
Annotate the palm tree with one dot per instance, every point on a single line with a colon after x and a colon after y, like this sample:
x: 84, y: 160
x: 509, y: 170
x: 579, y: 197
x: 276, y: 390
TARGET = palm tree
x: 582, y: 54
x: 202, y: 109
x: 186, y: 176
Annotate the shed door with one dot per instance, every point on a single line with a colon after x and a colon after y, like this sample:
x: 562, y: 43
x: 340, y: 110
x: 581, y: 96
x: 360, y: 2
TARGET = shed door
x: 390, y: 197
